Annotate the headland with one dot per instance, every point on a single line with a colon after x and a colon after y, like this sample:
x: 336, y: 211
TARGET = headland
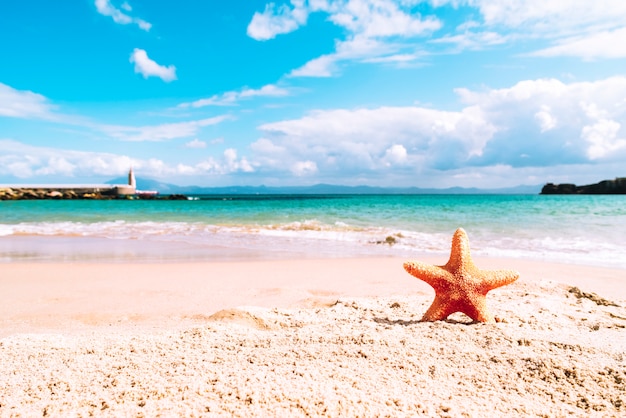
x: 617, y: 186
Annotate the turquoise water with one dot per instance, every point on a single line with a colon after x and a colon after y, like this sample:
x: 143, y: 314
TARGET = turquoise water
x: 581, y: 229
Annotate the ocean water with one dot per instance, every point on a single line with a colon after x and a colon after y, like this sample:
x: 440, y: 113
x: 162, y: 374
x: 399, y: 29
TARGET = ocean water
x: 586, y: 229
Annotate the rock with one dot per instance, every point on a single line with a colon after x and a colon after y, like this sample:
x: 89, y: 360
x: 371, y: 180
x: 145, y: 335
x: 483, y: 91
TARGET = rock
x: 31, y: 194
x: 54, y: 194
x: 7, y: 194
x: 177, y: 197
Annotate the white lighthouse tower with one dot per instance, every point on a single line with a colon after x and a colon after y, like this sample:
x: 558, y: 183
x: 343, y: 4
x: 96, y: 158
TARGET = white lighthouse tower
x: 131, y: 179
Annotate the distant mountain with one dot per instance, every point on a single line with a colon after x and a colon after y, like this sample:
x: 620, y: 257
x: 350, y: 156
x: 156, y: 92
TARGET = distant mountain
x: 166, y: 188
x: 148, y: 184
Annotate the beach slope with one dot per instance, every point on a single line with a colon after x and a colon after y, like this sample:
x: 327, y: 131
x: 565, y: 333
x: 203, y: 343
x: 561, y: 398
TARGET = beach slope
x: 302, y: 338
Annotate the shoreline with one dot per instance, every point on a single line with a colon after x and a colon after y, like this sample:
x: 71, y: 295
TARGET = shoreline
x: 77, y: 248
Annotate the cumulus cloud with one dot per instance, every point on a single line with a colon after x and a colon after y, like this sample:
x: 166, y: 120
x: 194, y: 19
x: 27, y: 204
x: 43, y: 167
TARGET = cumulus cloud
x: 375, y: 139
x: 530, y: 110
x: 24, y: 104
x: 602, y: 138
x: 516, y: 127
x: 161, y: 132
x: 545, y: 118
x: 26, y: 161
x: 227, y: 164
x: 395, y: 155
x: 232, y: 97
x: 303, y: 168
x: 104, y: 7
x: 149, y: 68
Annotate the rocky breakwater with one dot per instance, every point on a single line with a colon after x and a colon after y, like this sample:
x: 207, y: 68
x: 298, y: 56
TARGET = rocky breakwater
x: 39, y: 194
x: 617, y: 186
x: 15, y: 193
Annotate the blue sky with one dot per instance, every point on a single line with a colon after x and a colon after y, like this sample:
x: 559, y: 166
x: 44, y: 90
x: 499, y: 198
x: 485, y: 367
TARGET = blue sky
x: 427, y: 93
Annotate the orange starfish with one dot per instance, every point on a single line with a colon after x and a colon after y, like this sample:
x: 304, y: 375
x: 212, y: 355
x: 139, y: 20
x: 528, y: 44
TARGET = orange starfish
x: 460, y: 286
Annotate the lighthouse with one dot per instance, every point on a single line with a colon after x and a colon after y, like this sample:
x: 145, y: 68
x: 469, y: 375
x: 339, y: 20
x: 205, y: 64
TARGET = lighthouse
x: 131, y: 179
x: 127, y: 189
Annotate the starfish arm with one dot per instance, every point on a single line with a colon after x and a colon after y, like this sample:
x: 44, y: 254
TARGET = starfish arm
x: 438, y: 311
x: 479, y: 311
x: 432, y: 275
x: 497, y: 278
x: 460, y: 251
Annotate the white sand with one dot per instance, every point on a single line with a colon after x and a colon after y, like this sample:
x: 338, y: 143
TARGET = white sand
x: 305, y: 338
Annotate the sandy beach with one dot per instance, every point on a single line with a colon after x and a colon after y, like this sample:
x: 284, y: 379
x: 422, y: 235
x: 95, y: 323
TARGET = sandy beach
x: 310, y: 337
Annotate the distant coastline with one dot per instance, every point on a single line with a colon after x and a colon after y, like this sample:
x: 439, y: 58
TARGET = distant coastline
x: 152, y: 189
x: 320, y: 189
x: 617, y: 186
x: 164, y: 191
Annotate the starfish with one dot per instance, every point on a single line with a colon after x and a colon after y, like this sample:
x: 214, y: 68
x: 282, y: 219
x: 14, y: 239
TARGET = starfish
x: 460, y: 286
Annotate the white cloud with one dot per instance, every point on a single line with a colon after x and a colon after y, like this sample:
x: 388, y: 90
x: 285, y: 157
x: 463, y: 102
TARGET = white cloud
x: 605, y: 44
x: 578, y: 28
x: 269, y: 90
x: 472, y: 40
x: 232, y: 97
x: 195, y: 144
x: 521, y: 127
x: 396, y: 154
x: 371, y: 139
x: 277, y: 20
x: 26, y: 162
x: 381, y: 18
x: 234, y: 164
x: 24, y: 104
x: 554, y: 16
x: 229, y: 163
x: 545, y: 118
x: 149, y: 68
x: 104, y: 7
x: 395, y: 58
x: 57, y: 165
x: 375, y: 30
x: 323, y: 66
x: 160, y: 132
x: 359, y: 48
x: 591, y: 109
x: 602, y: 138
x: 303, y: 168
